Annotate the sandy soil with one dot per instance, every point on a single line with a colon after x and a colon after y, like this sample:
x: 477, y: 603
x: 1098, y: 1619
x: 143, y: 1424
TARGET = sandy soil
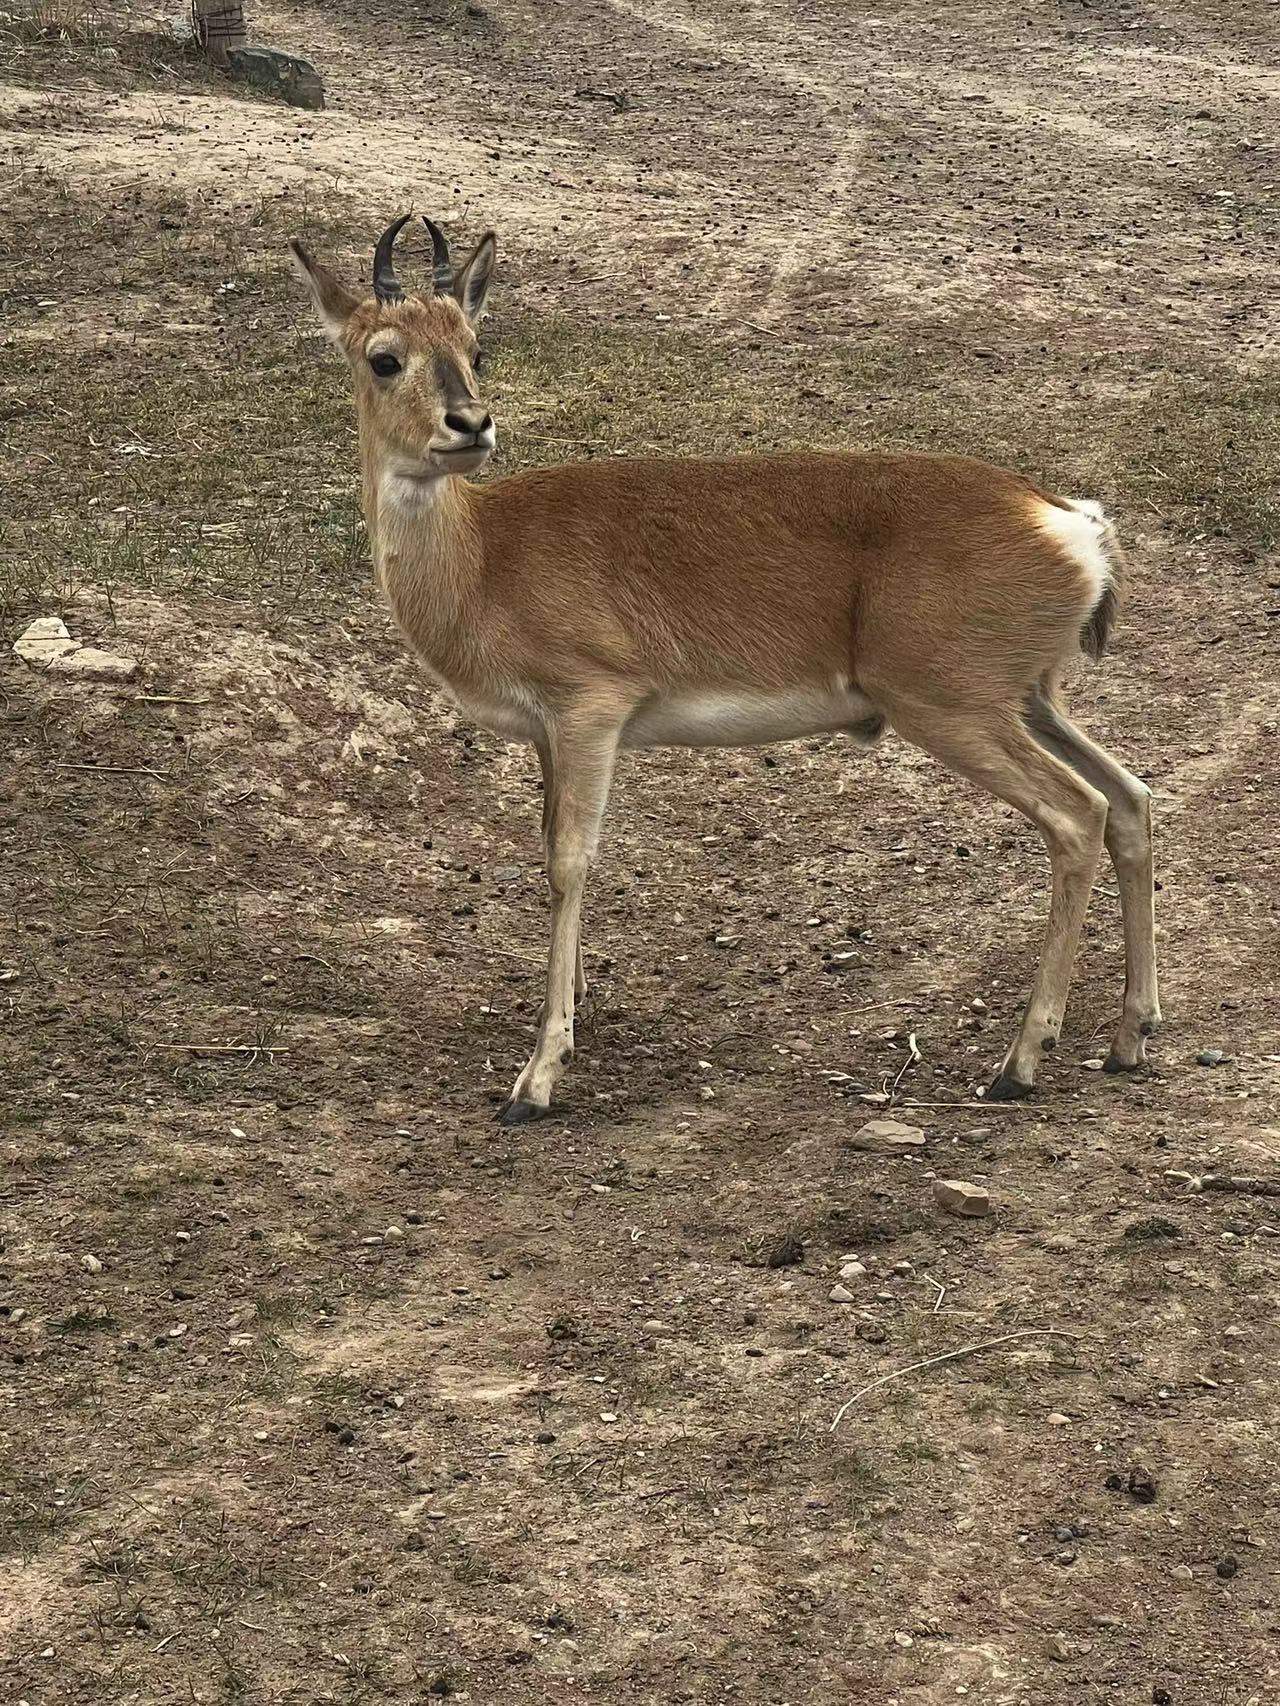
x: 318, y: 1385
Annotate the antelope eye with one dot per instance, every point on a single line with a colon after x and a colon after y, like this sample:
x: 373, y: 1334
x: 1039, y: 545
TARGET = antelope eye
x: 385, y: 365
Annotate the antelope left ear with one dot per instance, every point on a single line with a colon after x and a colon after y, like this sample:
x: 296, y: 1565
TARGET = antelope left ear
x: 471, y: 283
x: 335, y: 304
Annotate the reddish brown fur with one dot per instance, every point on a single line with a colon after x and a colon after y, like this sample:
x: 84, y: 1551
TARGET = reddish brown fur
x: 698, y: 599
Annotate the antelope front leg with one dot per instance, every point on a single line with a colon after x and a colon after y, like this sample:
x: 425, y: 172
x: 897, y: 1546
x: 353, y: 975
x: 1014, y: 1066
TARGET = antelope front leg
x: 548, y: 799
x: 582, y: 749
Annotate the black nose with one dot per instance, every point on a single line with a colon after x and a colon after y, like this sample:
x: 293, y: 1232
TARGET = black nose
x: 474, y: 421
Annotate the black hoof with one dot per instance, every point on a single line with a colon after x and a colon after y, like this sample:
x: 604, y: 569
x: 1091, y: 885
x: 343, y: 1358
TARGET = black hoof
x: 520, y: 1113
x: 1113, y: 1063
x: 1006, y: 1089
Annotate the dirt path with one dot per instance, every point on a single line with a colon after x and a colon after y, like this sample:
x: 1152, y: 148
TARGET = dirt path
x: 368, y: 1399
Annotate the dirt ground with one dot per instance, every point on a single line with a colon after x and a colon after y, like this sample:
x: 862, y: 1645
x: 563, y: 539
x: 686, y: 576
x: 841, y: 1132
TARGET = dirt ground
x: 319, y: 1386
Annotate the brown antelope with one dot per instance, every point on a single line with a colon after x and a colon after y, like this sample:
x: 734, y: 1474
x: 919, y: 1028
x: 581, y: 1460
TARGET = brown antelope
x: 698, y: 602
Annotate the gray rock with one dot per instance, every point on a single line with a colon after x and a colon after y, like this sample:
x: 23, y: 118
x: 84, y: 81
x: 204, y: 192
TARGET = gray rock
x: 295, y: 80
x: 888, y: 1137
x: 88, y: 663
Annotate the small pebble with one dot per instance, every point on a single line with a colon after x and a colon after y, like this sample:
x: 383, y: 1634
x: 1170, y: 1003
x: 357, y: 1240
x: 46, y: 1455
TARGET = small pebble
x: 1227, y: 1566
x: 1213, y: 1057
x: 852, y: 1270
x: 1183, y: 1573
x: 393, y: 1235
x: 871, y: 1332
x: 1056, y: 1419
x: 840, y: 1294
x: 1094, y: 1065
x: 91, y: 1264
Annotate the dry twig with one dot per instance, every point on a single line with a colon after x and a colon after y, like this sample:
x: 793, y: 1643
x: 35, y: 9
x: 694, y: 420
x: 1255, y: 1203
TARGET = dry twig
x: 950, y: 1356
x: 1226, y: 1182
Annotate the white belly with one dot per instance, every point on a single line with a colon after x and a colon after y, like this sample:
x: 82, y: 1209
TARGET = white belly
x: 738, y: 717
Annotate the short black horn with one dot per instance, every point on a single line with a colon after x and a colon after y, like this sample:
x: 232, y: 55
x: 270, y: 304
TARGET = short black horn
x: 441, y: 262
x: 386, y: 286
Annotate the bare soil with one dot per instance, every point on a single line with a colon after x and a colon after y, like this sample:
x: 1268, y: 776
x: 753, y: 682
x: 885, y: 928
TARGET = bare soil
x: 315, y: 1384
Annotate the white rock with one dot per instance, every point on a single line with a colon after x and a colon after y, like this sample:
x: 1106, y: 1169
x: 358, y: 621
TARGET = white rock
x: 959, y: 1197
x: 87, y: 663
x: 45, y: 640
x: 888, y: 1137
x: 91, y: 1264
x: 47, y: 645
x: 840, y: 1294
x: 852, y: 1270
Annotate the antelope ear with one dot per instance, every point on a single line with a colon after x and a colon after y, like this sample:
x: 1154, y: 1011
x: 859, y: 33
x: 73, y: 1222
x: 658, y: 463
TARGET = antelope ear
x: 335, y: 304
x: 471, y: 284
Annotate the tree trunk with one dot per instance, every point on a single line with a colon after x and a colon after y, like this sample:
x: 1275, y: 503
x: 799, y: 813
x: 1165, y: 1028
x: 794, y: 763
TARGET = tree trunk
x: 219, y: 27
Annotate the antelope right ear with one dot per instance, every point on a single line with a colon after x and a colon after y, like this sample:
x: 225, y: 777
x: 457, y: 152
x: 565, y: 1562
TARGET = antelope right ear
x: 335, y: 304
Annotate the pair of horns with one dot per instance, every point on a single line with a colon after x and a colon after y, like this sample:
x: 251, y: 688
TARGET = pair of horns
x: 386, y: 286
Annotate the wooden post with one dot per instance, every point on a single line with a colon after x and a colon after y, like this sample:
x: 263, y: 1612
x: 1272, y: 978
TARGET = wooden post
x: 219, y: 27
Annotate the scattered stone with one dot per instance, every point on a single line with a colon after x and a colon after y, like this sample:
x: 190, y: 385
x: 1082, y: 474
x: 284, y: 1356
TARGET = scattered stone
x: 840, y: 1294
x: 1227, y: 1566
x: 1063, y: 1651
x: 1056, y: 1419
x: 1161, y: 1696
x: 544, y: 1438
x: 871, y: 1332
x: 47, y: 645
x: 1154, y: 1226
x: 1142, y: 1485
x: 727, y: 941
x: 89, y: 663
x: 852, y: 1270
x: 507, y: 874
x: 1213, y: 1057
x: 562, y: 1327
x: 1183, y: 1573
x: 393, y: 1235
x: 888, y: 1137
x: 1066, y: 1557
x: 788, y: 1252
x: 1094, y: 1065
x: 959, y: 1197
x: 91, y: 1264
x: 1064, y: 1536
x: 295, y: 80
x: 46, y: 639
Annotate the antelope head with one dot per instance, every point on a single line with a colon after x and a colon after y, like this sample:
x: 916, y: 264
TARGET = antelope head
x: 413, y: 359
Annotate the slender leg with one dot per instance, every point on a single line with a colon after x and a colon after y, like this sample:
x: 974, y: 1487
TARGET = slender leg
x: 1128, y: 838
x: 548, y: 795
x: 992, y: 747
x: 583, y: 745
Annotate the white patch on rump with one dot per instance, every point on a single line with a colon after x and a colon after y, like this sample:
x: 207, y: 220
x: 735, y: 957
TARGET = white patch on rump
x: 1082, y: 531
